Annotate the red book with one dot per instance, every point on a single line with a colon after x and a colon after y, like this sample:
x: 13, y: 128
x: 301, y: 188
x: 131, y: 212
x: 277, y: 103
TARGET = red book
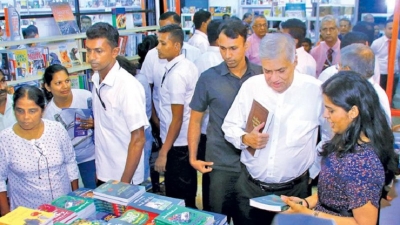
x: 60, y: 215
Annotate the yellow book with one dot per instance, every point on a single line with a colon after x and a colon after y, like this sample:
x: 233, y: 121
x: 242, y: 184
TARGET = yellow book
x: 23, y: 215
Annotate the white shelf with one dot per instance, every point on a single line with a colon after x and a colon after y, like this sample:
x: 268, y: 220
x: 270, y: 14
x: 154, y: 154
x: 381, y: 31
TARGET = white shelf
x: 187, y: 14
x: 15, y: 82
x: 255, y: 6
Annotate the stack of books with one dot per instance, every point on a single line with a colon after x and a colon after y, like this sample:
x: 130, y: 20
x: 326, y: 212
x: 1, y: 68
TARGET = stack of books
x: 182, y: 215
x: 22, y: 215
x: 101, y: 206
x: 118, y: 192
x: 60, y: 215
x: 131, y: 217
x: 81, y: 206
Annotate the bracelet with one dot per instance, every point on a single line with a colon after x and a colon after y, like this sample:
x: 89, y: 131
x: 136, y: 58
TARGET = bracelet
x: 308, y: 204
x: 315, y: 213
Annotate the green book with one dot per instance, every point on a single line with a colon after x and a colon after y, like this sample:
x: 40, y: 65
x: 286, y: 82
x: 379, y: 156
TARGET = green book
x: 184, y: 216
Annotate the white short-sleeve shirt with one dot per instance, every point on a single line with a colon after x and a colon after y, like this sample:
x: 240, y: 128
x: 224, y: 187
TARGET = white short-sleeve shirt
x: 8, y: 118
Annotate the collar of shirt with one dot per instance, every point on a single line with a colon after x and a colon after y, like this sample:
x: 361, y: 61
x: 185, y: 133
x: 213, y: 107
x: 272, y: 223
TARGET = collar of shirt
x: 335, y: 47
x: 255, y: 37
x: 201, y: 34
x: 173, y: 62
x: 110, y: 77
x: 225, y: 71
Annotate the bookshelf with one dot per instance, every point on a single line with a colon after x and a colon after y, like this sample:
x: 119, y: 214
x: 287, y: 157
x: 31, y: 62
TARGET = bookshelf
x: 77, y: 37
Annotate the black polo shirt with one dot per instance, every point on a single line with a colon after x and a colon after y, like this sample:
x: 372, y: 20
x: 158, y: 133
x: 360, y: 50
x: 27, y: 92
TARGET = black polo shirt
x: 216, y: 89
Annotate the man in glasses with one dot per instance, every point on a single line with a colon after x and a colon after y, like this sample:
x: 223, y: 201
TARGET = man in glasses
x: 119, y: 110
x: 260, y: 28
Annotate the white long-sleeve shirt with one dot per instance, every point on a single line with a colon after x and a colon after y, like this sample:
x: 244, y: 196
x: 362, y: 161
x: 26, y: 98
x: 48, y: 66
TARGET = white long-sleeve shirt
x: 292, y: 124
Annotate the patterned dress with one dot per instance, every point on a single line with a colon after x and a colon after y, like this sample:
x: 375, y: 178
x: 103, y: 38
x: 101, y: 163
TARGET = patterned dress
x: 38, y: 171
x: 351, y: 181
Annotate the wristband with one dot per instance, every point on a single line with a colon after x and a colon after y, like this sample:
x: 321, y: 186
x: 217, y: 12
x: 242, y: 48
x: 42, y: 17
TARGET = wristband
x: 308, y: 204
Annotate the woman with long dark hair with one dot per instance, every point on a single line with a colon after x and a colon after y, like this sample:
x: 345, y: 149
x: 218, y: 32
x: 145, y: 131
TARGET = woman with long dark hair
x: 356, y: 159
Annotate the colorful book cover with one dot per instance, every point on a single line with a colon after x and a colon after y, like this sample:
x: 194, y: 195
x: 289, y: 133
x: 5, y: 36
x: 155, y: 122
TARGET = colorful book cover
x: 74, y: 204
x: 21, y: 60
x: 64, y: 56
x: 122, y: 44
x: 12, y: 25
x: 5, y: 65
x: 154, y: 203
x: 130, y: 217
x: 219, y: 219
x: 64, y: 18
x: 71, y: 118
x: 116, y: 190
x: 269, y: 202
x: 36, y: 61
x: 22, y: 215
x: 119, y: 18
x: 73, y: 53
x: 60, y: 215
x: 182, y: 215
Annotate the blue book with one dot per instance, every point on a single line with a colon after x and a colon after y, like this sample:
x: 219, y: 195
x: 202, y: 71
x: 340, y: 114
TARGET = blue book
x: 219, y: 219
x: 270, y: 203
x: 118, y: 192
x: 182, y: 215
x: 288, y: 219
x: 149, y: 202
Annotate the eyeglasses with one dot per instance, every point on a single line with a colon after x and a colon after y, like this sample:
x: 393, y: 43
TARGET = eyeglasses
x: 260, y: 25
x: 40, y: 150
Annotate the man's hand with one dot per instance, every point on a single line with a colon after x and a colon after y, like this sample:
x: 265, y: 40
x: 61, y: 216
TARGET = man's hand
x: 161, y: 163
x: 255, y: 138
x: 202, y: 166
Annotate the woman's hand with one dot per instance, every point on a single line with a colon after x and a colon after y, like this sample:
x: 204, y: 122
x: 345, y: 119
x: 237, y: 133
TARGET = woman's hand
x: 87, y: 124
x: 297, y: 205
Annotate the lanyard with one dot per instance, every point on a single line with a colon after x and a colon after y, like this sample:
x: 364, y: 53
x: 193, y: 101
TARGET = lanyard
x: 166, y: 72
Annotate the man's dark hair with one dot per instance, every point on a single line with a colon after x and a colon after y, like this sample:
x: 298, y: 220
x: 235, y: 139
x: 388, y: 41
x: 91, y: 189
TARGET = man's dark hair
x: 30, y: 32
x: 226, y: 16
x: 166, y: 15
x: 297, y: 34
x: 366, y: 28
x: 308, y: 40
x: 103, y: 30
x: 345, y: 19
x: 212, y: 31
x: 295, y: 23
x: 148, y: 43
x: 86, y: 17
x: 233, y: 29
x: 201, y: 17
x: 352, y: 38
x: 235, y: 18
x: 127, y: 65
x: 388, y: 21
x: 247, y: 15
x: 175, y: 32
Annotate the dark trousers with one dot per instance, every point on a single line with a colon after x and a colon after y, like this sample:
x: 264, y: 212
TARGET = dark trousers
x: 245, y: 190
x: 201, y: 155
x: 222, y: 194
x: 180, y: 176
x: 383, y: 82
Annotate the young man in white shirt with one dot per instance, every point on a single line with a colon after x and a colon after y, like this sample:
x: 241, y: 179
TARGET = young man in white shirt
x: 119, y: 110
x: 381, y: 49
x: 286, y: 142
x: 305, y: 62
x: 201, y: 19
x: 176, y: 91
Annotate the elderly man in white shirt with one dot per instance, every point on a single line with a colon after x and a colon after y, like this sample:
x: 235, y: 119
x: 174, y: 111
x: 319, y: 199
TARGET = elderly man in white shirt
x: 305, y: 62
x: 286, y: 143
x: 201, y: 19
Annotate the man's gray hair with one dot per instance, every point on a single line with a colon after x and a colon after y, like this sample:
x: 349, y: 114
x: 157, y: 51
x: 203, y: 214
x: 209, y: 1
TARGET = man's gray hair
x: 359, y: 58
x: 328, y: 18
x: 275, y: 44
x: 258, y: 17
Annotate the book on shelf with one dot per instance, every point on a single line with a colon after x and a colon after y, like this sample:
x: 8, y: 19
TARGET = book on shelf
x: 7, y: 66
x: 118, y: 192
x: 20, y: 58
x: 295, y: 10
x: 130, y: 217
x: 119, y: 18
x: 257, y: 115
x: 182, y: 215
x: 270, y: 203
x: 83, y: 207
x: 277, y: 9
x: 122, y: 40
x: 22, y: 215
x: 12, y: 23
x: 153, y: 203
x: 64, y: 18
x: 60, y: 215
x: 36, y: 60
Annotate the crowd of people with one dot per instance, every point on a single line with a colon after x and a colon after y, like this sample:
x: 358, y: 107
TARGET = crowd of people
x: 184, y: 110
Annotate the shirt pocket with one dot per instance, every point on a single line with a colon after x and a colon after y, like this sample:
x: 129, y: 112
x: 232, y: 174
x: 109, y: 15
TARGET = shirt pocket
x: 107, y: 118
x: 299, y: 132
